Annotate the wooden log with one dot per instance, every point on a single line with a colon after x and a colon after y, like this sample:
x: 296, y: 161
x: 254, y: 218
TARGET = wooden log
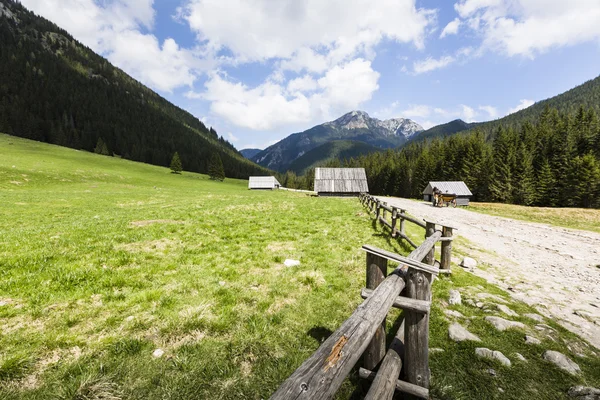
x: 412, y: 259
x: 413, y: 220
x: 403, y: 303
x: 384, y: 384
x: 418, y: 286
x: 446, y: 249
x: 320, y: 376
x: 409, y: 240
x: 394, y: 221
x: 376, y: 273
x: 378, y: 209
x: 383, y: 221
x: 401, y: 386
x: 385, y: 206
x: 402, y: 221
x: 429, y: 230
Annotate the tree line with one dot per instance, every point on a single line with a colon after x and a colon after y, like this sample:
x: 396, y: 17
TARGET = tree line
x: 553, y: 161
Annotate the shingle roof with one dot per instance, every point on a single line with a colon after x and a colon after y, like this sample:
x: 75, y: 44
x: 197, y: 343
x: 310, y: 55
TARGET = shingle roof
x: 458, y: 188
x: 262, y: 182
x: 341, y: 180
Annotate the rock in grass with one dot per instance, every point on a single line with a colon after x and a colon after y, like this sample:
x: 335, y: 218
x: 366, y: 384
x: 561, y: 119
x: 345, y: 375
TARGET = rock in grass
x: 158, y: 353
x: 291, y: 263
x: 452, y: 313
x: 454, y: 297
x: 561, y: 361
x: 468, y: 263
x: 434, y: 350
x: 520, y: 357
x: 584, y: 393
x: 532, y: 340
x: 534, y: 317
x: 458, y: 333
x: 507, y: 310
x: 503, y: 324
x: 493, y: 355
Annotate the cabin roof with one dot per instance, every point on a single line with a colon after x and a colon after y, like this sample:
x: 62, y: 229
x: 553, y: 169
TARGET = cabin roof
x: 262, y: 182
x: 458, y: 188
x: 341, y: 180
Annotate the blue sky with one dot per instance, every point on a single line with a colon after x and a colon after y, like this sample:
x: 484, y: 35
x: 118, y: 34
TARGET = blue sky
x: 259, y: 70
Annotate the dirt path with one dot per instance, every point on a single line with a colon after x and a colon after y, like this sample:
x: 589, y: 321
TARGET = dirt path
x: 554, y: 269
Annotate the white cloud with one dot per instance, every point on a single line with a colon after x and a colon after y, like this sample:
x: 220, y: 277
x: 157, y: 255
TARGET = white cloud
x: 531, y: 27
x: 271, y: 105
x: 113, y: 28
x: 491, y: 111
x: 523, y: 104
x: 430, y: 64
x: 417, y: 111
x: 232, y: 138
x: 312, y: 34
x: 451, y: 28
x: 305, y: 83
x: 468, y: 114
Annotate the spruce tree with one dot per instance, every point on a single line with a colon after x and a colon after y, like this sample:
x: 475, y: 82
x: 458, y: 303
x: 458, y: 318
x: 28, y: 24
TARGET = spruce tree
x: 176, y: 166
x: 99, y: 146
x: 215, y: 168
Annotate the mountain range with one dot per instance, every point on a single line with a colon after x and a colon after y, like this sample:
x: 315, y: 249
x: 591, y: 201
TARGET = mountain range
x: 356, y: 127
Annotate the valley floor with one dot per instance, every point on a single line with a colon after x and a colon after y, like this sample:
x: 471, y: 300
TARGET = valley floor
x: 554, y: 269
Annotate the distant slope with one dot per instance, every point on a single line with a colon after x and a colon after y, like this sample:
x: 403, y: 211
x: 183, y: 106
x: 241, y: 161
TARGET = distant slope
x: 586, y: 95
x: 249, y: 153
x: 355, y: 126
x: 337, y: 149
x: 54, y: 89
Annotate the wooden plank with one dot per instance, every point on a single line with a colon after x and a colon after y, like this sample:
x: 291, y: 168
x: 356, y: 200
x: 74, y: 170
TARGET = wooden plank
x: 403, y: 303
x: 418, y: 287
x: 320, y: 376
x: 401, y: 386
x: 446, y: 249
x: 386, y: 207
x: 413, y: 220
x: 430, y: 230
x: 376, y: 273
x: 384, y: 384
x: 411, y: 261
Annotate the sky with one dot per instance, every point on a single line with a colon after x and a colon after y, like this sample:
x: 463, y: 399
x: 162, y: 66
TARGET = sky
x: 259, y: 70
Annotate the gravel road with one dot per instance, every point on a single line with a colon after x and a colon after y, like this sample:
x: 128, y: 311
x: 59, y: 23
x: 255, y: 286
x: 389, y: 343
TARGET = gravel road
x: 554, y: 269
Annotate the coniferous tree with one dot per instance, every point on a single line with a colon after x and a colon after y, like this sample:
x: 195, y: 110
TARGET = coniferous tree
x: 176, y: 166
x: 215, y: 168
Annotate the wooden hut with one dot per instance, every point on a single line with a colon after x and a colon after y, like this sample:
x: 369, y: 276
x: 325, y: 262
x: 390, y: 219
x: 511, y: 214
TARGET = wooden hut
x: 263, y: 183
x: 340, y: 181
x: 459, y: 188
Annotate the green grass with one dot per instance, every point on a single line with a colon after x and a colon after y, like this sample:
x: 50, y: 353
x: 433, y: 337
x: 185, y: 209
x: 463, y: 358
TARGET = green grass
x: 575, y: 218
x: 104, y: 261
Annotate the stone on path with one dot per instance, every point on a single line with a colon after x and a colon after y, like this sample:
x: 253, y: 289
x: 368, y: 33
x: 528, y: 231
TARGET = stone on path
x: 534, y: 317
x: 452, y: 313
x: 454, y: 297
x: 458, y: 333
x: 561, y: 361
x: 507, y: 310
x: 468, y: 263
x: 584, y: 393
x: 493, y: 355
x: 503, y: 324
x: 532, y: 340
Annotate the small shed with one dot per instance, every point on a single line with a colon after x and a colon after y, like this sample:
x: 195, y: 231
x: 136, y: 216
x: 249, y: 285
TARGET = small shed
x: 459, y: 188
x: 340, y: 181
x: 263, y: 183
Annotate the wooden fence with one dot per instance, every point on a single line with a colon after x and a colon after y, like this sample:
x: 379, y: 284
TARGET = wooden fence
x: 407, y: 287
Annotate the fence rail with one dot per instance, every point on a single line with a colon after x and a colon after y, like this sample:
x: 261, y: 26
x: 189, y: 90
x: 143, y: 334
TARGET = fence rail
x: 407, y: 287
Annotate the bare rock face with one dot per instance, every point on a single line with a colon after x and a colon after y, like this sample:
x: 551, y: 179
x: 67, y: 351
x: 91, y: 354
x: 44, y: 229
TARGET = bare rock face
x: 561, y: 361
x: 458, y: 333
x: 584, y: 393
x: 454, y: 297
x: 493, y: 355
x: 503, y: 324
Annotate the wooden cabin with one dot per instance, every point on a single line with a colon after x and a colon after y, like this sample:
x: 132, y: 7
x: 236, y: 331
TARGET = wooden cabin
x: 263, y: 183
x: 459, y: 188
x: 340, y: 181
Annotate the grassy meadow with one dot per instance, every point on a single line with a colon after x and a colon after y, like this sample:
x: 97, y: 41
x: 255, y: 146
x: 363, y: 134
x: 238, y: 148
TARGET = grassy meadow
x: 121, y: 280
x: 587, y: 219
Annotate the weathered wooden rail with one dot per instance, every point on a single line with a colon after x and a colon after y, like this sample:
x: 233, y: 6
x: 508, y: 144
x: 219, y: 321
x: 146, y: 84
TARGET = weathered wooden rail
x: 363, y: 333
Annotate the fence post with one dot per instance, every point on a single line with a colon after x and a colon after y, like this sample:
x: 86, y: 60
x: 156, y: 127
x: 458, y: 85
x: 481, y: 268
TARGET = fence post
x: 378, y: 209
x: 416, y: 333
x: 402, y: 222
x: 376, y: 273
x: 429, y: 230
x: 446, y: 248
x: 384, y: 210
x: 394, y: 220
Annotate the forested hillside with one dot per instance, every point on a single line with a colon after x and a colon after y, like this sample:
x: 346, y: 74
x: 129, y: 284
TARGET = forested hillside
x: 552, y: 161
x: 54, y: 89
x: 337, y: 149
